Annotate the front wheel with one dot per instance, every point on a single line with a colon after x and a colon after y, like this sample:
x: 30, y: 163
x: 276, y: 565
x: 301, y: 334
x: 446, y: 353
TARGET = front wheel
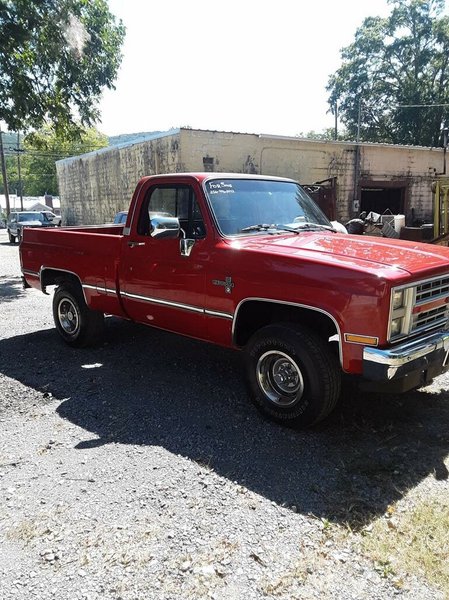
x: 293, y: 376
x: 77, y: 324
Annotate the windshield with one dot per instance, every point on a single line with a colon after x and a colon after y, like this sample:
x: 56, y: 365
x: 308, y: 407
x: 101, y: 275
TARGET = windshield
x: 259, y: 205
x: 31, y: 216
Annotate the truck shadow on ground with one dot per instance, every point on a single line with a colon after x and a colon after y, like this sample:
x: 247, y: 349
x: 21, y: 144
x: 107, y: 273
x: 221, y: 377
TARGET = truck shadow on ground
x: 148, y: 387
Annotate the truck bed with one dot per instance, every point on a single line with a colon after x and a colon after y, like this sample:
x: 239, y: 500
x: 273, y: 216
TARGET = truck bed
x: 92, y: 253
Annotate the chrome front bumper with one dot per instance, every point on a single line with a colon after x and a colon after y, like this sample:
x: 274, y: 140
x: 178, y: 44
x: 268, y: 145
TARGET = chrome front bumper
x: 410, y: 364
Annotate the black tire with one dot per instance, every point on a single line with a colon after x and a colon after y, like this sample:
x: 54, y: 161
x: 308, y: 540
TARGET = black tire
x: 293, y: 376
x: 12, y: 238
x: 77, y: 324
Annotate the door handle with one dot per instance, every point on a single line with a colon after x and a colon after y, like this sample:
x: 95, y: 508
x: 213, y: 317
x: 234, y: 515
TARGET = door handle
x: 134, y: 244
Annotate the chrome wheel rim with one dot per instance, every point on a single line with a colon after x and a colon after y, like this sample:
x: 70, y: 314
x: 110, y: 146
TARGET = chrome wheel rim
x: 68, y: 316
x: 280, y: 378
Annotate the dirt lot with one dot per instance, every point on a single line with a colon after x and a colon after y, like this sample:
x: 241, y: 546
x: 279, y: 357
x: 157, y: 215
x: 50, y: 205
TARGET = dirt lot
x: 139, y: 470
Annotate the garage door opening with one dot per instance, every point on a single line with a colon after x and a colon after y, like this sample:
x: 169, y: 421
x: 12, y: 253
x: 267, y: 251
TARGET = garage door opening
x: 382, y: 198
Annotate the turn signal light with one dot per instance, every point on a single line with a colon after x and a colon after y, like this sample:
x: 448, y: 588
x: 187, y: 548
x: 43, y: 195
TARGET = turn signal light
x: 368, y: 340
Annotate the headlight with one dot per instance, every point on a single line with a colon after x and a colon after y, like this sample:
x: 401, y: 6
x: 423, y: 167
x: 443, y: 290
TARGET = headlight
x: 398, y: 299
x: 396, y: 327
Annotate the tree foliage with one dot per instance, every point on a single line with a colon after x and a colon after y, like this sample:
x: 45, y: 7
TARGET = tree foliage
x: 56, y: 57
x: 326, y: 134
x: 39, y: 152
x: 393, y: 63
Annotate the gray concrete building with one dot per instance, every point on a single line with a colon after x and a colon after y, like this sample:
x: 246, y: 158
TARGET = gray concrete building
x: 355, y: 177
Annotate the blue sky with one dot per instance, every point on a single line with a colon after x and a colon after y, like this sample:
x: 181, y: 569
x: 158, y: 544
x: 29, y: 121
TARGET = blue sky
x: 243, y: 66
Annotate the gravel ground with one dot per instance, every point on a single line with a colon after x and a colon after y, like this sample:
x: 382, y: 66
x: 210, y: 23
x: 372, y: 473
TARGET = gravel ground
x: 139, y: 470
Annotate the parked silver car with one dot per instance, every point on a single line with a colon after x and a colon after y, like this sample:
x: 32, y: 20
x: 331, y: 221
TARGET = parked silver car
x: 18, y: 220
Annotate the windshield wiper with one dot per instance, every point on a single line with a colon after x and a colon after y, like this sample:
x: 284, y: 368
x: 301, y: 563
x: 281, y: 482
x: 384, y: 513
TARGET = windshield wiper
x: 266, y: 227
x: 315, y: 226
x: 259, y: 227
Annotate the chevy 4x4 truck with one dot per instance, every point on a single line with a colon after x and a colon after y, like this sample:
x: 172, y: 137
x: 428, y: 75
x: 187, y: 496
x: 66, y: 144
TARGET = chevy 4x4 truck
x: 250, y: 262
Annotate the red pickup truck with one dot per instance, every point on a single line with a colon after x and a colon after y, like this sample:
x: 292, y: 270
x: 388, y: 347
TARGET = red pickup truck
x: 250, y: 262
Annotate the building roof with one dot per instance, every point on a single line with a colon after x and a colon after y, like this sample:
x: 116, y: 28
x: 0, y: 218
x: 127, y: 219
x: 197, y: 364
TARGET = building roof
x: 139, y: 138
x: 29, y: 202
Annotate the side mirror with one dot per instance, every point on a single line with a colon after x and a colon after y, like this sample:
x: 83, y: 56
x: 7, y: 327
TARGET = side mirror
x: 164, y: 227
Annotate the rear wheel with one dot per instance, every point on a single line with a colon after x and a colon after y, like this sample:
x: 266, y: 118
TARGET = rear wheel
x: 293, y: 376
x: 77, y: 324
x: 12, y: 238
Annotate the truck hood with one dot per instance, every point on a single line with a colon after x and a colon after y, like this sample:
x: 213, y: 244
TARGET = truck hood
x: 365, y: 253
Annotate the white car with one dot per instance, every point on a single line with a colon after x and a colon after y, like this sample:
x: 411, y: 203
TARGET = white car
x: 55, y: 219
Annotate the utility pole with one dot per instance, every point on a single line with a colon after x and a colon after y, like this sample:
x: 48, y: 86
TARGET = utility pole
x: 445, y: 143
x: 5, y: 178
x: 336, y: 122
x: 18, y: 171
x: 359, y: 119
x: 356, y: 204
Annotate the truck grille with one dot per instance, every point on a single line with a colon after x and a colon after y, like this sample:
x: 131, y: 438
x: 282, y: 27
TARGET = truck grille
x: 429, y: 292
x: 425, y: 307
x: 432, y: 289
x: 436, y: 317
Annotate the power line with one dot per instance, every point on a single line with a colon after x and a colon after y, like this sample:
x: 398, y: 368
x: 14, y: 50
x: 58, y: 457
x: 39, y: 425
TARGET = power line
x: 419, y: 105
x: 47, y: 153
x: 72, y: 149
x: 37, y: 154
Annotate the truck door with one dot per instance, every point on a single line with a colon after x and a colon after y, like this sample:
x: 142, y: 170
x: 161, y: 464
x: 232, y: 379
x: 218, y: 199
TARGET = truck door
x: 159, y: 285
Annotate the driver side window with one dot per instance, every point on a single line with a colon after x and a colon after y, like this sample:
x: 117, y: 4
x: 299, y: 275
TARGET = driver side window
x: 173, y: 201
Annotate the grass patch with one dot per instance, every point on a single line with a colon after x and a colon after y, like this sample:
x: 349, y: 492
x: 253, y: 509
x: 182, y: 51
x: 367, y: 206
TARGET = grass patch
x: 27, y: 530
x: 416, y: 541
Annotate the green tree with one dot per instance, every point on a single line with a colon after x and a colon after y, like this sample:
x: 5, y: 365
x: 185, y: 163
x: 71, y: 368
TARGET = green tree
x: 395, y: 66
x: 56, y: 56
x: 39, y: 152
x: 326, y: 134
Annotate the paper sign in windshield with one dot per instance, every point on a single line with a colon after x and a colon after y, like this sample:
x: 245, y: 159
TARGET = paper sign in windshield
x: 221, y: 187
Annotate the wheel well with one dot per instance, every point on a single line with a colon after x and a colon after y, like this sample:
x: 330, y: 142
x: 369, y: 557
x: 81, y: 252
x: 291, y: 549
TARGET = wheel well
x: 55, y: 277
x: 255, y: 314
